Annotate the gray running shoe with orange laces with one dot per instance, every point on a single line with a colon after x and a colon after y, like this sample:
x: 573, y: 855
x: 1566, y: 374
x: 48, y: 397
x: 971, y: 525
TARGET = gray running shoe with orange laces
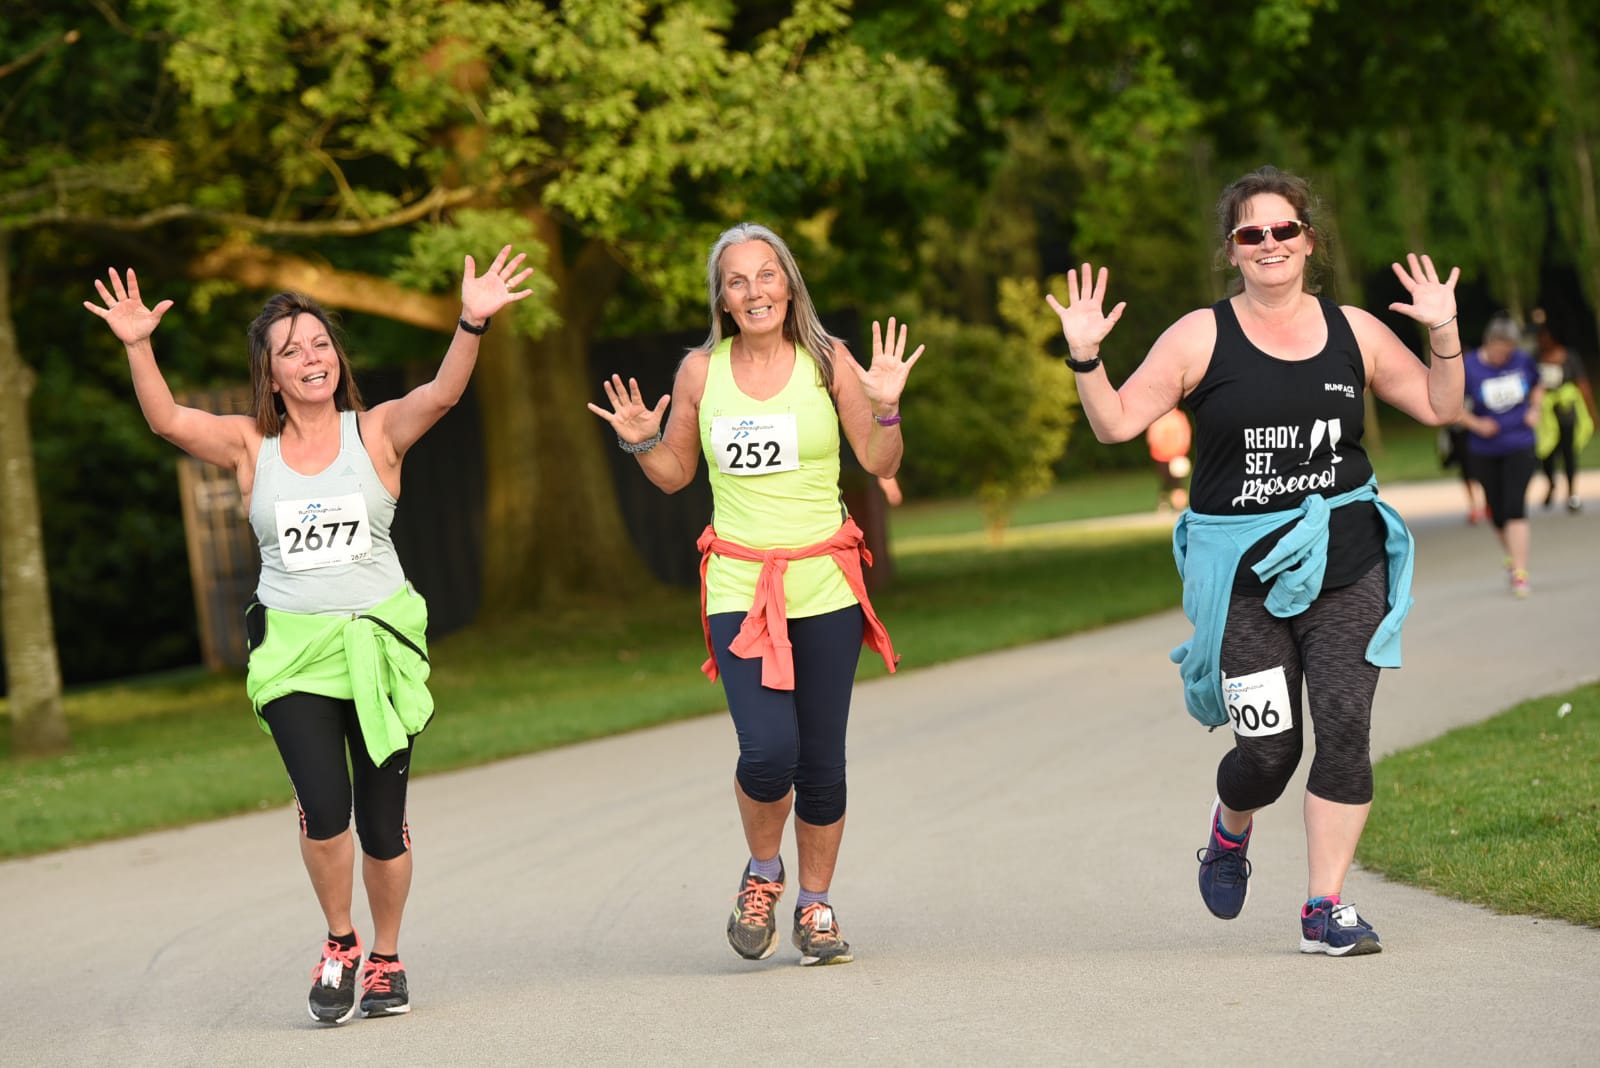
x: 752, y: 927
x: 816, y: 936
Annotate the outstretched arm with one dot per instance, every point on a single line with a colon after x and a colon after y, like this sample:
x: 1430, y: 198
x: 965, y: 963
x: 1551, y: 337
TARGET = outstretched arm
x: 402, y: 421
x: 1154, y: 389
x: 668, y: 454
x: 216, y: 439
x: 868, y: 398
x: 1432, y: 395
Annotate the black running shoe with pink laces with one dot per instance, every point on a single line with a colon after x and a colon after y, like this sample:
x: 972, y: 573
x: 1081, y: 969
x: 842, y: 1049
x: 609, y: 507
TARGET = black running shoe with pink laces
x: 333, y: 983
x: 383, y: 989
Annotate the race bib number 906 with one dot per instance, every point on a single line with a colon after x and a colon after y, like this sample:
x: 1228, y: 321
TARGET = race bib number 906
x: 756, y: 445
x: 1258, y: 704
x: 323, y: 531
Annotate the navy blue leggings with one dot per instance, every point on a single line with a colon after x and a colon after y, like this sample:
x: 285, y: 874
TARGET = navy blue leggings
x: 312, y: 733
x: 794, y: 739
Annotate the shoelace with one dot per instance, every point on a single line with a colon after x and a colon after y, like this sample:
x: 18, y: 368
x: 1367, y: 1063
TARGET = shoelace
x: 335, y: 957
x: 756, y: 901
x: 376, y: 975
x: 808, y: 920
x: 1230, y: 866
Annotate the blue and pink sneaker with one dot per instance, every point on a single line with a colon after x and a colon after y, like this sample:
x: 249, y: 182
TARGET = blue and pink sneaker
x: 1327, y: 926
x: 1224, y: 869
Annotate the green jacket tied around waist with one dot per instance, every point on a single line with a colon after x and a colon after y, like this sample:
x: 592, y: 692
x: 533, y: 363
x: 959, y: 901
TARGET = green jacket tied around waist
x: 378, y: 658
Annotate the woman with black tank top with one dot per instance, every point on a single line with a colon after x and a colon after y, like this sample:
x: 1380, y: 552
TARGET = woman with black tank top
x: 1296, y: 575
x: 338, y: 638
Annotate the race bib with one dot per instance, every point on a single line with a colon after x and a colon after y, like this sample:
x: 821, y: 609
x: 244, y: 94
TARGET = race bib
x: 1504, y: 392
x: 1258, y: 704
x: 756, y: 445
x: 323, y: 531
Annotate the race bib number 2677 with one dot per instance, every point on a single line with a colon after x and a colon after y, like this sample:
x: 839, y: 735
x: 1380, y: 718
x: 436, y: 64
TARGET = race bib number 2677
x: 323, y: 531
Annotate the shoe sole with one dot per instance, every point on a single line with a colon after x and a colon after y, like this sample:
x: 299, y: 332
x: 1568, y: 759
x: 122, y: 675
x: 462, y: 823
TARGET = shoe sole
x: 346, y: 1018
x: 1355, y: 949
x: 1211, y: 824
x: 838, y: 958
x: 393, y: 1010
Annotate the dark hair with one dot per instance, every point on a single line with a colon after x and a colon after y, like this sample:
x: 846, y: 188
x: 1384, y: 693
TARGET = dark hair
x: 1296, y: 190
x: 265, y: 405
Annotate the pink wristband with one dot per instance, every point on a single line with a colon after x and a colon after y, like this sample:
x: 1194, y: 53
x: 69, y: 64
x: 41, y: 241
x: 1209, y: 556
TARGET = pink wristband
x: 892, y: 420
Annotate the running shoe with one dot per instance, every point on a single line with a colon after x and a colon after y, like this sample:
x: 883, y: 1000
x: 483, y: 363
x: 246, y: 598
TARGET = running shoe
x: 1574, y: 505
x: 1336, y: 929
x: 1519, y: 583
x: 1224, y: 869
x: 383, y: 989
x: 752, y: 927
x: 816, y: 936
x: 333, y: 986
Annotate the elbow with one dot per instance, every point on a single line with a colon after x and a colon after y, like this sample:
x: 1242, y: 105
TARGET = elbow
x: 1448, y: 415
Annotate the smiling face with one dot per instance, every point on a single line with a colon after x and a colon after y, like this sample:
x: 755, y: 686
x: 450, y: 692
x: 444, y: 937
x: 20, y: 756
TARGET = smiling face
x: 755, y: 290
x: 1272, y: 262
x: 304, y: 361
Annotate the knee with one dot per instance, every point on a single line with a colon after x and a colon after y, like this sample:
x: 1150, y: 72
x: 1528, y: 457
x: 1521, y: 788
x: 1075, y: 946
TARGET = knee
x: 820, y: 806
x: 385, y: 841
x: 1256, y: 777
x: 766, y: 775
x: 322, y: 819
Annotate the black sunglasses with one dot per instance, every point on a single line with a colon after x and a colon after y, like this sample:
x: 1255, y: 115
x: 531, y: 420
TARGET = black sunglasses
x: 1287, y: 230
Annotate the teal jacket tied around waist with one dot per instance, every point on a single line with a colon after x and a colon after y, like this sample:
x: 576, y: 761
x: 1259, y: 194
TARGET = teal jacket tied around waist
x: 1208, y: 549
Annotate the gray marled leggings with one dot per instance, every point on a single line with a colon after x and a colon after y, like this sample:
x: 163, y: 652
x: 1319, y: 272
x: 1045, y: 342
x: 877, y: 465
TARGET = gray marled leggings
x: 1325, y: 649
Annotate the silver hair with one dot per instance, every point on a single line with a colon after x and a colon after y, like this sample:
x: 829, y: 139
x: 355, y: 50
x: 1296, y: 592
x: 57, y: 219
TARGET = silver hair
x: 1502, y: 328
x: 801, y: 325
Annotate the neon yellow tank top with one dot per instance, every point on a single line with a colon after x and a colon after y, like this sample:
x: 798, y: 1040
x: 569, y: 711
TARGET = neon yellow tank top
x: 774, y: 467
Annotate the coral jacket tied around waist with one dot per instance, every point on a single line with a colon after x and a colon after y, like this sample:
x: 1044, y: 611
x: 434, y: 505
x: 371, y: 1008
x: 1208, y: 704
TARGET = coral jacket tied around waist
x: 765, y: 630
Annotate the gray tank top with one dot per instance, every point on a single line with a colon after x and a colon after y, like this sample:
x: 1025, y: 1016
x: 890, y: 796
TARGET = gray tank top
x: 325, y: 544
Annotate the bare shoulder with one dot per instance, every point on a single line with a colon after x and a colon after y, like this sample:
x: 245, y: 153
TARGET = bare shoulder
x: 690, y: 381
x: 1364, y: 323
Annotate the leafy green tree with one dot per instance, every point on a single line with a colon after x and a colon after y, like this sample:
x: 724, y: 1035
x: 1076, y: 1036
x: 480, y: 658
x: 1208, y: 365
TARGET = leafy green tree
x: 613, y: 139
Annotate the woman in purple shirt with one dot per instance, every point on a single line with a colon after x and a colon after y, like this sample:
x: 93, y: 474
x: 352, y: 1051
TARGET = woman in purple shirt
x: 1503, y: 401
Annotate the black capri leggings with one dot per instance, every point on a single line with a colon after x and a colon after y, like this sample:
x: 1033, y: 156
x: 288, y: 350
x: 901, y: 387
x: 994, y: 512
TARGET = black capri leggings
x: 1325, y: 648
x: 1505, y: 483
x: 312, y: 733
x: 794, y: 739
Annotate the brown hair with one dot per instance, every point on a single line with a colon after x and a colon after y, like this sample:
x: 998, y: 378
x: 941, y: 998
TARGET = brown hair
x: 265, y: 405
x: 1291, y: 187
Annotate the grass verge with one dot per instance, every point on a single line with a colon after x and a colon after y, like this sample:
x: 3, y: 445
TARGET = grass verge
x: 166, y: 751
x: 1504, y: 813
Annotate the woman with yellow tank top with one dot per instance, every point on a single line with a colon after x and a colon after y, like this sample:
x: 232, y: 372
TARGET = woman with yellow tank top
x: 783, y: 603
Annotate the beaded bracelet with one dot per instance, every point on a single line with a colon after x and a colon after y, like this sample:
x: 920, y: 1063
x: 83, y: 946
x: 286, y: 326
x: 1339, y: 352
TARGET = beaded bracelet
x: 637, y: 447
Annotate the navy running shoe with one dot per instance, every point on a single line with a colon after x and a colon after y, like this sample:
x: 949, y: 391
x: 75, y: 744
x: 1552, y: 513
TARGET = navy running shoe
x: 1326, y: 926
x: 1224, y: 869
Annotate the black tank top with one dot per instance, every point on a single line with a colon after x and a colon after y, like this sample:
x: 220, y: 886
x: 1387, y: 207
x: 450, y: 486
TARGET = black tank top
x: 1271, y: 432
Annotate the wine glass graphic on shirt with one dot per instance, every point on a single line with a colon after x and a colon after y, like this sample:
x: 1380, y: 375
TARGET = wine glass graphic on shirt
x: 1329, y: 428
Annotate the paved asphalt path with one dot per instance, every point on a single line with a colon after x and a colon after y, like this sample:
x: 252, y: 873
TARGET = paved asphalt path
x: 1018, y: 880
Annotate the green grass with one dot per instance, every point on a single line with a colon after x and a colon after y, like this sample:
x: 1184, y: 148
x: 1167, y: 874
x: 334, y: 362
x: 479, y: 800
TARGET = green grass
x: 171, y: 750
x: 1505, y: 813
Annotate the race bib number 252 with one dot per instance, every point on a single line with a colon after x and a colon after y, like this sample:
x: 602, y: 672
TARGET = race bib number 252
x: 756, y: 445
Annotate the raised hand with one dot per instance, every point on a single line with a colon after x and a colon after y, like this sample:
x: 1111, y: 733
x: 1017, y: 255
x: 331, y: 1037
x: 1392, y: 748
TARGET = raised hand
x: 630, y: 417
x: 124, y: 309
x: 1432, y: 301
x: 1084, y: 323
x: 483, y: 295
x: 885, y: 379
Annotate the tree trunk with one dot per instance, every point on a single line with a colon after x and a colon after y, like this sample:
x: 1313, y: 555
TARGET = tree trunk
x: 33, y: 672
x: 553, y: 528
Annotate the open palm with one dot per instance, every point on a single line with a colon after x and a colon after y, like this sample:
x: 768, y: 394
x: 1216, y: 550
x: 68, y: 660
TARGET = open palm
x: 885, y: 379
x: 124, y: 309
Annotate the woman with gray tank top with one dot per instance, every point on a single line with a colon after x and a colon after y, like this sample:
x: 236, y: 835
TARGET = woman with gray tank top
x: 338, y: 645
